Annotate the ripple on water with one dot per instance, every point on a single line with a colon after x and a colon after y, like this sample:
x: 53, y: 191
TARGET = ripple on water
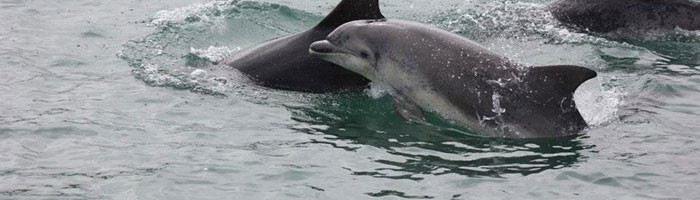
x: 158, y: 58
x: 414, y: 152
x: 155, y: 143
x: 92, y: 34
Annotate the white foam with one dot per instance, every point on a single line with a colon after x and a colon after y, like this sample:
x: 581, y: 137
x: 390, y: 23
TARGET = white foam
x: 152, y: 73
x: 213, y: 53
x: 597, y: 104
x: 199, y: 73
x: 378, y: 90
x: 207, y: 13
x: 682, y: 69
x: 496, y: 100
x: 655, y: 34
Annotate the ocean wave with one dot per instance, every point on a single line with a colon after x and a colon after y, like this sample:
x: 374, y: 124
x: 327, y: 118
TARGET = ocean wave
x: 187, y: 47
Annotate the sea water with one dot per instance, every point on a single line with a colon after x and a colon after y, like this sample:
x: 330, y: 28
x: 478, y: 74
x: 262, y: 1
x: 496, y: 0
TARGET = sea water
x: 129, y: 100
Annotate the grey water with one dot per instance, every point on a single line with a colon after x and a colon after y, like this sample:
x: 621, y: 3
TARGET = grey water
x: 124, y: 100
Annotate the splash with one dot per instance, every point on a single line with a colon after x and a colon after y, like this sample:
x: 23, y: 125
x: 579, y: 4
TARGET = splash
x: 523, y: 20
x: 496, y: 99
x: 676, y: 34
x: 213, y: 54
x: 188, y: 45
x: 378, y: 90
x: 598, y: 103
x: 211, y: 13
x: 508, y: 19
x: 196, y: 80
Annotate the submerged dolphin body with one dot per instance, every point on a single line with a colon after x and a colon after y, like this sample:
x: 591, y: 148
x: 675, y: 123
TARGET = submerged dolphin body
x: 604, y: 16
x: 285, y: 63
x: 436, y: 70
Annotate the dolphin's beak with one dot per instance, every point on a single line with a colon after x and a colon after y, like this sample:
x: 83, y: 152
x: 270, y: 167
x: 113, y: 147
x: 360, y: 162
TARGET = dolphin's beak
x: 323, y: 47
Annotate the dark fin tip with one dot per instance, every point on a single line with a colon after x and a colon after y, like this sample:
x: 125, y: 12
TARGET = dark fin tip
x: 570, y: 77
x: 350, y: 10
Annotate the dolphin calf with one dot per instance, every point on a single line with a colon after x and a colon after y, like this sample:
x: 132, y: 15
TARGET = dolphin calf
x: 439, y: 71
x: 604, y: 16
x: 285, y: 63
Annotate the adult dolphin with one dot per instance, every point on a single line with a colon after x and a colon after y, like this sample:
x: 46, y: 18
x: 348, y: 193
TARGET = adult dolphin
x: 604, y: 16
x: 285, y: 63
x: 440, y: 71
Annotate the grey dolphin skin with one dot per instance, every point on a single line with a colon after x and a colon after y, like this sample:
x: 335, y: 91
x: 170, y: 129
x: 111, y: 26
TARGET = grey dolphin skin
x: 285, y: 63
x: 604, y: 16
x: 439, y: 71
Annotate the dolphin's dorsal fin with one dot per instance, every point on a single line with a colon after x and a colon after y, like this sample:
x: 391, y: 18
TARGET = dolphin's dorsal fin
x: 562, y: 79
x: 349, y: 10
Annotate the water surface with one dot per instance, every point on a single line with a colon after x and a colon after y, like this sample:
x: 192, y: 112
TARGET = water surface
x: 122, y: 100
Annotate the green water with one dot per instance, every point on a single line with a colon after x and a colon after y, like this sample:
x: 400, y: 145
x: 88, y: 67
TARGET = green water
x: 120, y: 100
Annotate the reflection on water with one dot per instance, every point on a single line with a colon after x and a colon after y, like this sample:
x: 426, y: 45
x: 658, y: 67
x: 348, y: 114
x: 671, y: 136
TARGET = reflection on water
x: 429, y: 150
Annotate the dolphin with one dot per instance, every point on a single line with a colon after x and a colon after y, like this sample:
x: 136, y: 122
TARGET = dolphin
x: 603, y: 16
x: 285, y: 63
x: 442, y: 72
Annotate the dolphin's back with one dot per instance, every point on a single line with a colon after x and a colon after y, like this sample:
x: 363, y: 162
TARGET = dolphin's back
x: 491, y: 90
x: 610, y: 15
x: 285, y: 63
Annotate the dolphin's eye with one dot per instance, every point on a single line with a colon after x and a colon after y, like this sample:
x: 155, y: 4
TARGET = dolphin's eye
x: 364, y: 54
